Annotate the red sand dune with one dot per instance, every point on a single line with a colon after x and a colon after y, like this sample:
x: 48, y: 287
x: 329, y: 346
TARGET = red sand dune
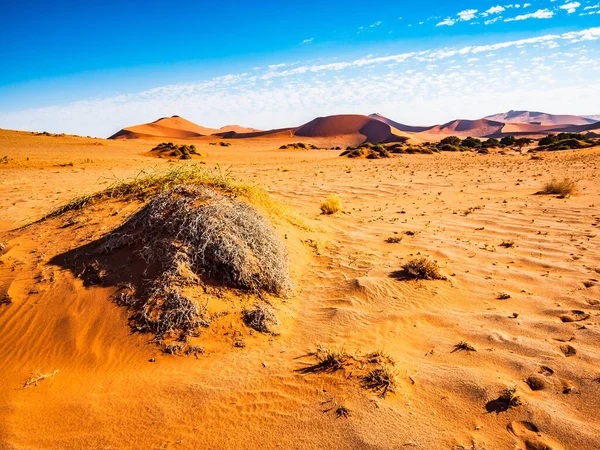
x: 175, y: 127
x: 540, y: 118
x: 400, y: 126
x: 476, y: 128
x: 353, y: 126
x: 238, y: 129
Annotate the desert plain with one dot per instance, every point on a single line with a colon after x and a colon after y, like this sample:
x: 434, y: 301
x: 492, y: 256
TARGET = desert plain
x: 517, y: 308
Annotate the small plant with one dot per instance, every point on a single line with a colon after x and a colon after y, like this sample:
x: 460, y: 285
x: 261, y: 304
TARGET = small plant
x: 5, y: 299
x: 503, y: 296
x: 328, y: 360
x: 36, y: 377
x: 464, y: 346
x: 510, y: 397
x: 332, y: 204
x: 561, y: 188
x: 422, y: 269
x: 507, y: 244
x: 394, y: 240
x: 342, y: 411
x: 260, y: 317
x: 381, y: 379
x: 4, y: 160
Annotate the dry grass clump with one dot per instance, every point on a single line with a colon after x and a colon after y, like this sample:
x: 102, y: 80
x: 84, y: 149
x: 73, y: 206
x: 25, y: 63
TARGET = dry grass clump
x: 192, y: 233
x: 260, y: 317
x: 421, y: 269
x: 382, y: 379
x: 332, y: 204
x: 328, y: 360
x: 36, y: 377
x: 561, y: 188
x: 464, y: 346
x: 147, y: 185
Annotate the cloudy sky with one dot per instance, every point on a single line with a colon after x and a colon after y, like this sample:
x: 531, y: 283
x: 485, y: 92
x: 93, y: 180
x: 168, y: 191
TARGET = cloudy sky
x: 94, y: 68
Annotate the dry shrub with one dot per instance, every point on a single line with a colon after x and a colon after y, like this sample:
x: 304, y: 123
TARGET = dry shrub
x: 332, y: 204
x: 260, y: 317
x: 560, y: 188
x: 191, y: 233
x: 382, y: 379
x: 422, y: 269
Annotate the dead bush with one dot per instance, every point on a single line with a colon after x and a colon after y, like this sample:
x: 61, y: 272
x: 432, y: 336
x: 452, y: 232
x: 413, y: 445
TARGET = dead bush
x: 421, y: 269
x: 561, y: 188
x: 193, y: 233
x: 260, y: 317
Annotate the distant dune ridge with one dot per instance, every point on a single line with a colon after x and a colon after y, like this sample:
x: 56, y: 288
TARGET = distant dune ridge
x: 352, y: 129
x: 174, y: 127
x: 539, y: 118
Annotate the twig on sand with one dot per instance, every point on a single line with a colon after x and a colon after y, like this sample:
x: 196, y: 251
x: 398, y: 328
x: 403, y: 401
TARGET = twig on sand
x: 36, y: 377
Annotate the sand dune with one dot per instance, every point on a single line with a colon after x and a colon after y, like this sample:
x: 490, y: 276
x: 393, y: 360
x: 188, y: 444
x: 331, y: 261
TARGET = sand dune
x: 175, y: 127
x: 539, y: 118
x: 400, y: 126
x: 351, y: 128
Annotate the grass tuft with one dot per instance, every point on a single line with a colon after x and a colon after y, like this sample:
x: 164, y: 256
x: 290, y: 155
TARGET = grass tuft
x: 422, y: 269
x: 561, y: 188
x: 381, y: 379
x: 332, y: 204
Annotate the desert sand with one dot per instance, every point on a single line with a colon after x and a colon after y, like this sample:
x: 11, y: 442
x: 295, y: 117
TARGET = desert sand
x: 522, y: 289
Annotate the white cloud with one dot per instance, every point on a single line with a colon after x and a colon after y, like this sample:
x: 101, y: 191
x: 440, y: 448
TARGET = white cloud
x: 467, y: 14
x: 570, y: 7
x: 539, y: 14
x: 308, y: 41
x: 446, y: 22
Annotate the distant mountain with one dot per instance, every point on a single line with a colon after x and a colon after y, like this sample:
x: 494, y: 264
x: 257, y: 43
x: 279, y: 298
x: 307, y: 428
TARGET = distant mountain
x: 174, y: 127
x: 540, y: 118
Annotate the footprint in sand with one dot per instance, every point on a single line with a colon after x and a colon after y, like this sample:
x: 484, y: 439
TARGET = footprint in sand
x: 545, y: 370
x: 568, y: 350
x: 531, y: 436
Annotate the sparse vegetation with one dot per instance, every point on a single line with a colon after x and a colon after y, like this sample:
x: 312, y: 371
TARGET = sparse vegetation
x: 507, y: 244
x: 299, y: 146
x: 464, y: 346
x: 503, y: 296
x: 564, y: 141
x: 381, y: 379
x: 260, y: 317
x: 421, y: 269
x: 561, y: 188
x: 4, y: 160
x: 149, y: 184
x: 394, y: 239
x: 332, y: 204
x: 191, y: 233
x: 328, y: 360
x: 510, y: 397
x: 221, y: 144
x: 342, y: 411
x: 36, y: 377
x: 176, y: 151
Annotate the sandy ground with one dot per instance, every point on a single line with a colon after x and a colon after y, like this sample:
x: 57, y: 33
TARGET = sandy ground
x: 455, y: 208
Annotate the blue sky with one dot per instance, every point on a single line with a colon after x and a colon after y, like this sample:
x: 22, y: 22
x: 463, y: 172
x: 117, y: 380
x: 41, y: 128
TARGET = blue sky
x: 94, y: 67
